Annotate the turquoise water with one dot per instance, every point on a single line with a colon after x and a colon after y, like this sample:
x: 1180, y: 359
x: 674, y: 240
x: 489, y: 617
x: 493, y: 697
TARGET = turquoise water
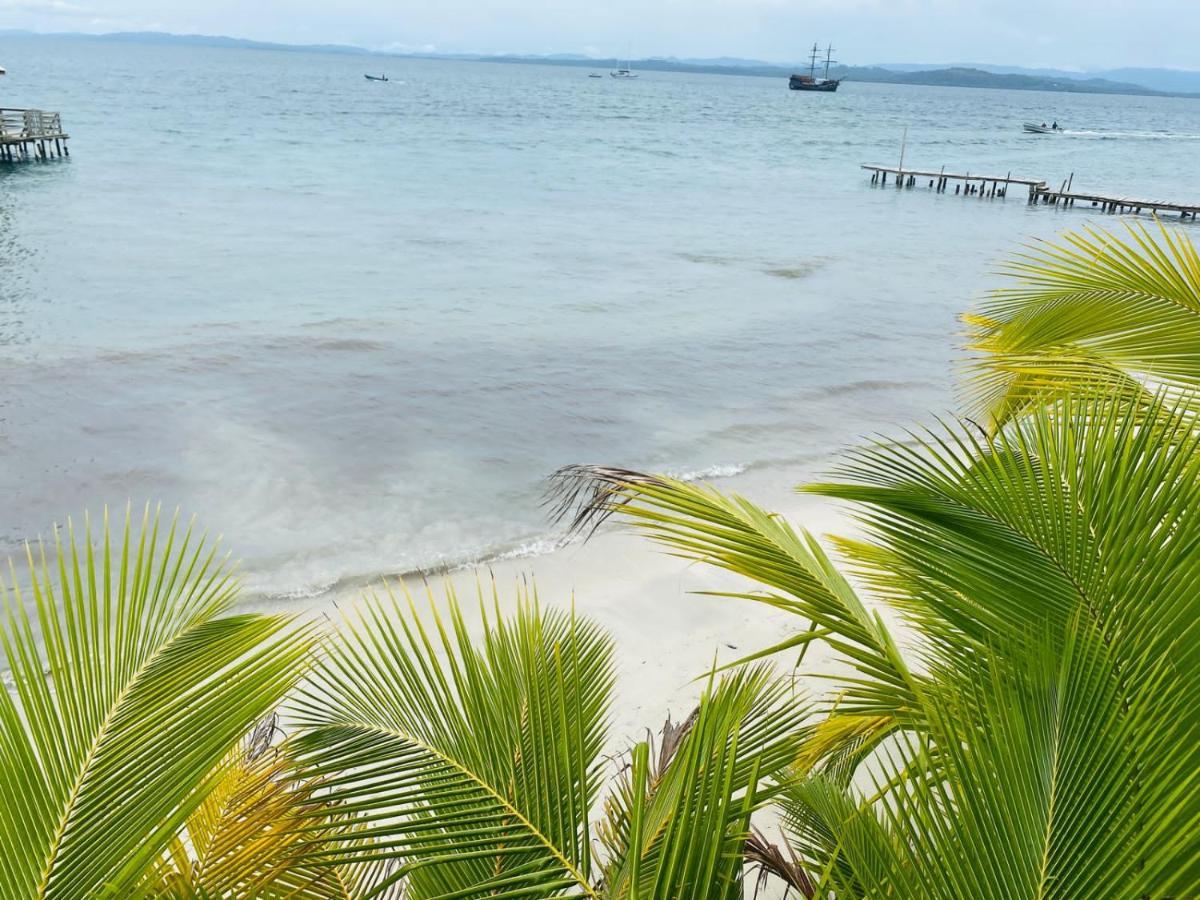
x: 353, y: 326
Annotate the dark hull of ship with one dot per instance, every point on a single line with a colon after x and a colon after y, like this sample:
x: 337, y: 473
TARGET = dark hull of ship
x: 829, y: 86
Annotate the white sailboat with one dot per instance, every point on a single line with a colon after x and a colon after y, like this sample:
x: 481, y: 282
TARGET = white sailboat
x: 623, y: 71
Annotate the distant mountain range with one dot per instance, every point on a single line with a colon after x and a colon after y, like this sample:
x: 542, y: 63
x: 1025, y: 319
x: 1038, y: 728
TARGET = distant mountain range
x: 1138, y: 81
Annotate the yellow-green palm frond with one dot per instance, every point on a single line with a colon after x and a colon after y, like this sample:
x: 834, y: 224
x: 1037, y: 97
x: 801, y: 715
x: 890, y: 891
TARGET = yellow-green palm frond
x: 1098, y: 314
x: 249, y: 836
x: 132, y: 681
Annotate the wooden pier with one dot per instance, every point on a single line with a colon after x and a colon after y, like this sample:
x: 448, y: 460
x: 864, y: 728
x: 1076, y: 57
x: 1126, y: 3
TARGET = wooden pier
x: 967, y: 184
x: 1065, y: 197
x: 1039, y: 192
x: 30, y: 134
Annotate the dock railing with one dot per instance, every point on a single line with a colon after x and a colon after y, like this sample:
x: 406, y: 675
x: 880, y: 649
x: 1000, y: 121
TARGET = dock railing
x: 31, y: 134
x: 27, y: 124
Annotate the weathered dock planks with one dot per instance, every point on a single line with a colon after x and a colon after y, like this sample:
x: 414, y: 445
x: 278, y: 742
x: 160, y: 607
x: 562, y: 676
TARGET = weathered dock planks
x: 1109, y: 204
x: 964, y: 183
x: 1039, y: 192
x: 31, y: 134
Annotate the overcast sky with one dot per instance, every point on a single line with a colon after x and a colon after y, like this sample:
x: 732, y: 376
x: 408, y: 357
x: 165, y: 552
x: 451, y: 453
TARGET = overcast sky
x: 1086, y: 34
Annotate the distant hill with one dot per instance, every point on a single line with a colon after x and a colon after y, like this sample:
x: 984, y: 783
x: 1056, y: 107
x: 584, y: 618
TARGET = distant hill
x: 963, y: 77
x: 948, y: 77
x: 193, y: 40
x: 974, y: 75
x: 1167, y: 80
x: 1176, y: 81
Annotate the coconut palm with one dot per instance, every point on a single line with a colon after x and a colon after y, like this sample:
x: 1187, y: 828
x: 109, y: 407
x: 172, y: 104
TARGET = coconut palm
x: 1043, y: 741
x: 248, y: 838
x: 474, y: 757
x: 1094, y: 314
x: 426, y: 758
x: 131, y: 679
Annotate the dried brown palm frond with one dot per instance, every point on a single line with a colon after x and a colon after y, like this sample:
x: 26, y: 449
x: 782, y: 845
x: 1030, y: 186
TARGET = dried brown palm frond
x: 779, y: 861
x: 584, y: 496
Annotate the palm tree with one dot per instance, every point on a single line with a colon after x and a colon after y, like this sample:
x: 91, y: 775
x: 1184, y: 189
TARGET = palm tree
x: 476, y: 760
x: 1044, y: 741
x: 131, y: 681
x: 424, y: 760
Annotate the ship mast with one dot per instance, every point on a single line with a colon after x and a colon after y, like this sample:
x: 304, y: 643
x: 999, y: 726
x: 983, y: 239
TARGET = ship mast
x: 812, y: 66
x: 828, y: 55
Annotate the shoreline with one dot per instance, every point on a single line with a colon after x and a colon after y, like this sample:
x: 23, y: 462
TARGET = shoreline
x: 666, y: 637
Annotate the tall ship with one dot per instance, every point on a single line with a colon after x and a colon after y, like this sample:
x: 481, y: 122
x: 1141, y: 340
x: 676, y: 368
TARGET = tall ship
x: 811, y: 82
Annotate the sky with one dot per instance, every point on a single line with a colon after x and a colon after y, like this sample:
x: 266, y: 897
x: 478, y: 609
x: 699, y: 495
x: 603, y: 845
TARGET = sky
x: 1070, y: 34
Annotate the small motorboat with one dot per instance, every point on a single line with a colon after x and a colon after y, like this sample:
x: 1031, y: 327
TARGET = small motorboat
x: 376, y: 77
x: 595, y: 75
x: 1030, y: 128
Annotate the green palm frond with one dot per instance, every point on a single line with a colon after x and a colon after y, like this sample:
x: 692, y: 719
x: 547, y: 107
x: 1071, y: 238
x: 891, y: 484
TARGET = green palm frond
x: 1081, y: 511
x: 472, y: 758
x: 1052, y: 784
x: 1047, y: 575
x: 679, y: 828
x: 1096, y: 314
x: 131, y: 683
x: 1051, y: 572
x: 696, y: 522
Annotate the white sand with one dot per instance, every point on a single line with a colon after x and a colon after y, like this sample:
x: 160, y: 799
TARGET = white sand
x: 666, y: 636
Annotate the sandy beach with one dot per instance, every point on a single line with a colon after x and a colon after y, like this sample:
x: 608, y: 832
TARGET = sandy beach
x: 667, y: 636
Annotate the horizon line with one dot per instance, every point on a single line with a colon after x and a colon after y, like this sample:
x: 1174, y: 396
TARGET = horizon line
x: 432, y: 52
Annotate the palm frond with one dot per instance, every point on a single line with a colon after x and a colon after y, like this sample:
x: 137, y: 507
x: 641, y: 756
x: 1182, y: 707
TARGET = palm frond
x: 1051, y: 573
x: 679, y: 828
x: 1051, y: 784
x: 473, y: 758
x: 1095, y: 314
x: 247, y: 838
x: 777, y: 861
x: 131, y: 683
x: 1081, y: 509
x: 697, y: 522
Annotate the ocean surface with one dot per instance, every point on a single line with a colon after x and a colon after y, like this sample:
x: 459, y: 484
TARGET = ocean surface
x: 353, y: 326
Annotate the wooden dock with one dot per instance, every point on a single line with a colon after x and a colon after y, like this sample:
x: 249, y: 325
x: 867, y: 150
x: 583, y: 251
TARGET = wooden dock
x: 1039, y: 192
x: 31, y: 134
x: 1104, y: 203
x: 966, y: 183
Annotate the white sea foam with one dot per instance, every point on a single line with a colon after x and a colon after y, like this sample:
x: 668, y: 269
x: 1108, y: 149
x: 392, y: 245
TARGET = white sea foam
x: 710, y: 473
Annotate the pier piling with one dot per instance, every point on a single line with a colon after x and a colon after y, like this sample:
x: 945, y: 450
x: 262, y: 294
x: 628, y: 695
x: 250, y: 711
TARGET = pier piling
x: 989, y: 187
x: 31, y: 134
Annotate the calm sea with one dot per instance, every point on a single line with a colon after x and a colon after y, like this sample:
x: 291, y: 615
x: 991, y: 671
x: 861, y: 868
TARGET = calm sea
x: 353, y: 326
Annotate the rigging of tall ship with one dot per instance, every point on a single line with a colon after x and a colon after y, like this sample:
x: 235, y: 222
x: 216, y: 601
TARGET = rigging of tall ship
x: 811, y: 82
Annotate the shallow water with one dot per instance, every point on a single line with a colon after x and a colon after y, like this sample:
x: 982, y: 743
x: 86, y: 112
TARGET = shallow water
x: 353, y: 326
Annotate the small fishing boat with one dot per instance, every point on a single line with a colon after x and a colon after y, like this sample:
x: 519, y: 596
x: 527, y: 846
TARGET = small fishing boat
x: 594, y: 75
x: 376, y: 77
x: 1030, y: 128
